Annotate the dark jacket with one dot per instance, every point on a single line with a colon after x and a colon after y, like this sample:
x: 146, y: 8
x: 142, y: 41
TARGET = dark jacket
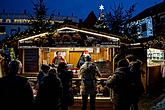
x: 66, y: 79
x: 81, y: 61
x: 50, y: 93
x: 135, y: 68
x: 42, y: 73
x: 40, y: 77
x: 118, y: 82
x: 15, y: 93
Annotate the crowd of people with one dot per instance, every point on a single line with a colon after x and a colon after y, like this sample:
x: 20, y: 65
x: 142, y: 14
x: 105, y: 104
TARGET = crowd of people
x: 54, y: 85
x: 53, y: 88
x: 126, y: 84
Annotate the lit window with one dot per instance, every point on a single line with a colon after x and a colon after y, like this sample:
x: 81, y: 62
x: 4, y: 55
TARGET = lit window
x: 18, y: 20
x: 15, y: 20
x: 27, y: 21
x: 1, y: 20
x: 21, y: 20
x: 8, y: 20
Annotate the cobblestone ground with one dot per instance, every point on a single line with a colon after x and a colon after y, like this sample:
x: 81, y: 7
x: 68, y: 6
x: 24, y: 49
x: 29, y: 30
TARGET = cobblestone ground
x: 152, y: 102
x: 145, y: 103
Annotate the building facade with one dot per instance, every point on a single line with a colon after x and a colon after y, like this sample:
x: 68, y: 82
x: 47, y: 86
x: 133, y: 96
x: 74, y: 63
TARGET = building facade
x: 150, y: 22
x: 11, y: 23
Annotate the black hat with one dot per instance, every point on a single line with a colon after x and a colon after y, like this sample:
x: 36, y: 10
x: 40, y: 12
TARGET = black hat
x: 88, y: 58
x: 122, y: 63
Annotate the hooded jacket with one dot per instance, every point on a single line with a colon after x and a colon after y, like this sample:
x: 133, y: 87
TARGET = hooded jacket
x: 118, y: 82
x: 135, y: 68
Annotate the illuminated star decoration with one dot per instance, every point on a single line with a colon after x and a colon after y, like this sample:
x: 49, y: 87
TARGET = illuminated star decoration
x: 101, y: 7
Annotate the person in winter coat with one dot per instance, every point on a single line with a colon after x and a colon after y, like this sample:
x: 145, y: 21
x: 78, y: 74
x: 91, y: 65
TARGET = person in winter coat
x: 81, y: 61
x: 135, y: 68
x: 66, y: 78
x: 119, y: 83
x: 50, y: 92
x: 88, y: 74
x: 42, y: 73
x: 15, y: 91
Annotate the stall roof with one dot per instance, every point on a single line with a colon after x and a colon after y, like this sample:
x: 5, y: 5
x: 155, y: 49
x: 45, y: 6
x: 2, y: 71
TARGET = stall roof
x: 87, y: 32
x: 73, y: 29
x: 91, y: 38
x: 32, y: 37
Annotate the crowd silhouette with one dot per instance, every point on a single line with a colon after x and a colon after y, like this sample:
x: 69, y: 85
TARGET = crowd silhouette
x: 54, y: 86
x: 15, y: 91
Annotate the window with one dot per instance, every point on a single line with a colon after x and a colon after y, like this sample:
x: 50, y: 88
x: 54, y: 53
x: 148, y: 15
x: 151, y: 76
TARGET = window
x: 2, y: 30
x: 144, y: 27
x: 8, y: 20
x: 17, y: 20
x: 1, y: 20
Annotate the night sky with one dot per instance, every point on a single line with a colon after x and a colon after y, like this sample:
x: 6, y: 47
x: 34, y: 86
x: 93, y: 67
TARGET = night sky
x: 79, y: 8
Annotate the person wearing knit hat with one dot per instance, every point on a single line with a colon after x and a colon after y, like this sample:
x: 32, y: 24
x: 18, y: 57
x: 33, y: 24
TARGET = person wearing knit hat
x: 82, y: 58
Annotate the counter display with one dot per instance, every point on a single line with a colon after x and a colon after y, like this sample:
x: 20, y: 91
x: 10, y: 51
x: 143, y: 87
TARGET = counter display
x: 102, y: 90
x: 103, y: 60
x: 155, y: 57
x: 105, y: 68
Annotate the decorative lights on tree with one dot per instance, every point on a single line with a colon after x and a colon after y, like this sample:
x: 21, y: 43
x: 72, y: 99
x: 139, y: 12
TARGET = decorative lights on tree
x: 8, y: 53
x: 40, y: 20
x: 101, y: 22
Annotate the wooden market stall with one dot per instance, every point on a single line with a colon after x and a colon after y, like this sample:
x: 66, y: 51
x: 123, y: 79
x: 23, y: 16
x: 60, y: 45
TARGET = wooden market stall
x: 155, y: 58
x: 71, y: 41
x: 152, y: 59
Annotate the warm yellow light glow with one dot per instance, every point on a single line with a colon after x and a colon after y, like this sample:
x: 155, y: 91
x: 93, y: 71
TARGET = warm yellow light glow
x: 2, y: 32
x: 135, y: 44
x: 8, y: 20
x: 21, y: 21
x: 77, y: 30
x: 33, y: 37
x: 1, y: 20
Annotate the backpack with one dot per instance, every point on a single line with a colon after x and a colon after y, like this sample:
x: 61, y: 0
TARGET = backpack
x: 89, y: 78
x: 90, y: 72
